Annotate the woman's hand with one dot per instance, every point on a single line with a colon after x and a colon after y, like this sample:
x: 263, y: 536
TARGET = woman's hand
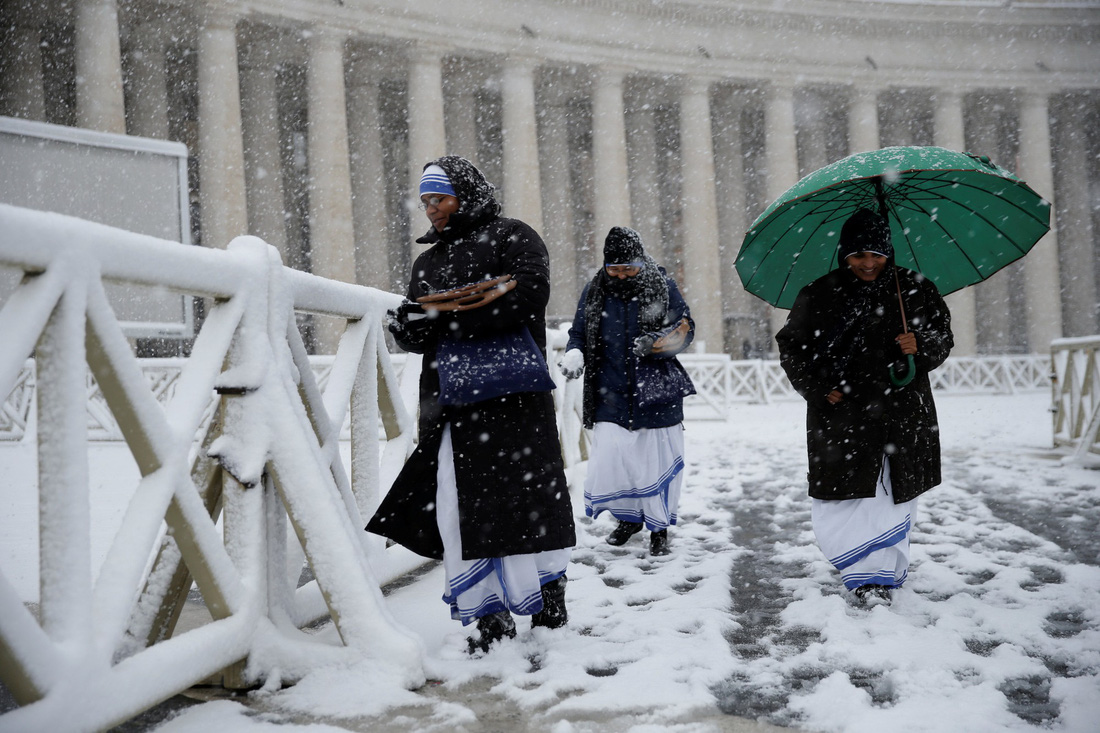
x: 572, y: 364
x: 834, y: 397
x: 907, y: 342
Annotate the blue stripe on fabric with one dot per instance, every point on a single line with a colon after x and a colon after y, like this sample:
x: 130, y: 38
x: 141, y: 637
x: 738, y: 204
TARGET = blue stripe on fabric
x: 632, y: 493
x: 887, y: 539
x: 436, y: 183
x: 853, y: 581
x: 462, y: 583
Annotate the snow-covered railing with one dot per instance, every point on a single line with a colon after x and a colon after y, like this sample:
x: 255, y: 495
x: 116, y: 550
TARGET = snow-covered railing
x: 1076, y: 391
x: 722, y: 384
x: 101, y: 646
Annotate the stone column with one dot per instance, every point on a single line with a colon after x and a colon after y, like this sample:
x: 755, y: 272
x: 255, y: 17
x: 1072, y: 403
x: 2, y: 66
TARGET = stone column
x: 427, y: 135
x: 1078, y: 258
x: 993, y: 315
x: 460, y: 107
x: 368, y: 178
x: 99, y: 98
x: 949, y: 132
x: 702, y: 266
x: 331, y: 233
x: 739, y: 307
x: 611, y: 181
x: 1041, y: 278
x: 21, y: 89
x: 263, y: 164
x: 863, y: 132
x: 811, y: 122
x: 781, y: 159
x: 557, y: 202
x: 221, y: 150
x: 645, y: 187
x: 148, y: 100
x: 522, y: 195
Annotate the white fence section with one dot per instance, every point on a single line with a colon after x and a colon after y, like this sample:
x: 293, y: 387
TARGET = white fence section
x: 722, y: 384
x: 241, y: 433
x: 1076, y: 393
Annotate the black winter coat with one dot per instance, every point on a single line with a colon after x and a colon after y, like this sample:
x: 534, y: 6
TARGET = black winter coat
x: 512, y: 493
x: 614, y: 367
x: 840, y: 335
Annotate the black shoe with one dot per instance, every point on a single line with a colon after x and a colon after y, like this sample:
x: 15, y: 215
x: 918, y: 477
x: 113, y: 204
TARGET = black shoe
x: 493, y: 627
x: 553, y: 614
x: 872, y: 594
x: 623, y: 532
x: 658, y: 543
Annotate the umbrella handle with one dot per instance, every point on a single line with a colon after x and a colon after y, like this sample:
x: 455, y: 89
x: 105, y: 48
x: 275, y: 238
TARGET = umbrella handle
x: 909, y: 373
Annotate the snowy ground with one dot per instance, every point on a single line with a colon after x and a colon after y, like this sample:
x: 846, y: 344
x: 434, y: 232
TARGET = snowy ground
x: 998, y: 628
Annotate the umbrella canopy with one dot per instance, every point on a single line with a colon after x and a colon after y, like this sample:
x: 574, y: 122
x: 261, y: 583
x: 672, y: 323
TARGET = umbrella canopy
x: 954, y: 217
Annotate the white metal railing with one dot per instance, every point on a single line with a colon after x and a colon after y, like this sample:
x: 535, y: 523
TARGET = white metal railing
x: 267, y: 465
x: 1076, y: 392
x: 722, y: 383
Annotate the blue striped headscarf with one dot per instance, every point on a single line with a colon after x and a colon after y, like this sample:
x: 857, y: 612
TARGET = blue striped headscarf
x: 435, y: 180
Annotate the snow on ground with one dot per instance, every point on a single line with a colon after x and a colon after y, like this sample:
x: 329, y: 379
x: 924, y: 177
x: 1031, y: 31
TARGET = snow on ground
x: 998, y: 627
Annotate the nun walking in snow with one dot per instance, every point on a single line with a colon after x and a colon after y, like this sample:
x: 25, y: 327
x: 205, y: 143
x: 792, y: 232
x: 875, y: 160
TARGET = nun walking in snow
x: 485, y: 489
x: 873, y: 441
x: 630, y: 324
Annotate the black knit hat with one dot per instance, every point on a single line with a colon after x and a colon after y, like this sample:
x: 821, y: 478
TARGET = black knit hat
x: 623, y: 246
x: 865, y: 231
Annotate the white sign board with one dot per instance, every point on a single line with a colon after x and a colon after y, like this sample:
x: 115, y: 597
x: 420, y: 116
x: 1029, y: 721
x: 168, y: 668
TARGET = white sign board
x: 133, y: 183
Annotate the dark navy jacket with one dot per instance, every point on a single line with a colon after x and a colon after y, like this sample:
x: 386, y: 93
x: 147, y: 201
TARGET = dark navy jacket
x: 615, y: 365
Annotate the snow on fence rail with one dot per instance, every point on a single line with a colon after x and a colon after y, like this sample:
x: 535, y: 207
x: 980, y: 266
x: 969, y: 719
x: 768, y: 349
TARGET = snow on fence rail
x: 1076, y: 392
x: 101, y: 647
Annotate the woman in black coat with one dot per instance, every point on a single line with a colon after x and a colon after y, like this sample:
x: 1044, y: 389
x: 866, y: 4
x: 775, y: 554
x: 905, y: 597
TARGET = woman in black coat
x: 485, y: 489
x: 633, y: 393
x: 873, y: 444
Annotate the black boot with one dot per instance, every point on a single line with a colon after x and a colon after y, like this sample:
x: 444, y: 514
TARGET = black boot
x: 553, y: 614
x: 658, y: 543
x: 493, y: 627
x: 623, y: 532
x: 871, y: 594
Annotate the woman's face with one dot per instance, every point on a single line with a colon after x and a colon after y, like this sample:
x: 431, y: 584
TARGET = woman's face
x: 622, y: 272
x: 867, y: 266
x: 439, y: 208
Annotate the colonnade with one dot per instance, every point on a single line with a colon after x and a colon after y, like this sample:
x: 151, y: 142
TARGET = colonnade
x: 312, y: 135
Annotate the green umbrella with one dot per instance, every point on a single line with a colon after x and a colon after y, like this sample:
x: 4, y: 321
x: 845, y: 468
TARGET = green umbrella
x: 955, y: 217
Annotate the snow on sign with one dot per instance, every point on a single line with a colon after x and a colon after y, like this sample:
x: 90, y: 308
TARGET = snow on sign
x: 132, y: 183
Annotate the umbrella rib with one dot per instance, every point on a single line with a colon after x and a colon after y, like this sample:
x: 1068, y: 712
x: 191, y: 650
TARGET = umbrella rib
x: 815, y: 207
x: 1010, y: 202
x: 935, y: 220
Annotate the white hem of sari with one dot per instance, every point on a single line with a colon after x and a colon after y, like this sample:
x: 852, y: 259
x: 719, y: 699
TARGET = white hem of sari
x: 867, y: 540
x: 476, y: 588
x: 636, y: 475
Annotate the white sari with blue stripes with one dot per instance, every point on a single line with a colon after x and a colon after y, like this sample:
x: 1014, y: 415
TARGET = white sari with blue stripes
x: 867, y: 540
x: 635, y: 474
x: 476, y: 588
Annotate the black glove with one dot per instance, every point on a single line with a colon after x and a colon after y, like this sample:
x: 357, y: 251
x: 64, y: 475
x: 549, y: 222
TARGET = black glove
x: 408, y: 321
x: 643, y: 345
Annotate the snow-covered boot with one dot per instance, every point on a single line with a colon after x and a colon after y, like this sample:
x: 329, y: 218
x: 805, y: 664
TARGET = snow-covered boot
x: 658, y: 543
x: 493, y: 627
x: 553, y: 614
x: 623, y: 532
x: 872, y: 594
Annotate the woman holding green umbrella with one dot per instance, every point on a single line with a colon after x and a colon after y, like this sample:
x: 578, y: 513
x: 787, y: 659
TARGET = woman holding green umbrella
x: 872, y: 437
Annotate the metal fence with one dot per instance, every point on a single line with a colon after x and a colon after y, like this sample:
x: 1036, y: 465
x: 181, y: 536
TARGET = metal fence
x: 722, y: 383
x: 1076, y: 393
x: 241, y: 482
